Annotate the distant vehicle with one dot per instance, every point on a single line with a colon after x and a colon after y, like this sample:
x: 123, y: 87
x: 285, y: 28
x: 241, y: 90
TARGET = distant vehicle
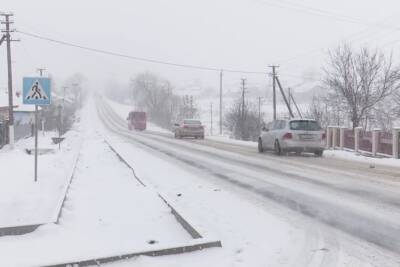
x: 137, y: 120
x: 189, y: 128
x: 295, y: 135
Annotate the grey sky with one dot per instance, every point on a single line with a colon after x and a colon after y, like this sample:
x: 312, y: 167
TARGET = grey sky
x: 235, y: 34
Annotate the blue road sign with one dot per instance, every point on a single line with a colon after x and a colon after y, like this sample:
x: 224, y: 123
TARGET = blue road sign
x: 36, y: 91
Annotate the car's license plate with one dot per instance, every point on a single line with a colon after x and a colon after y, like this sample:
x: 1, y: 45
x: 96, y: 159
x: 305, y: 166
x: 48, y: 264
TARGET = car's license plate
x: 306, y: 137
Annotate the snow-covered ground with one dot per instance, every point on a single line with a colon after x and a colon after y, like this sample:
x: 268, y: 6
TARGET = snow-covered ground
x: 24, y: 201
x: 250, y: 235
x: 355, y: 201
x: 107, y: 213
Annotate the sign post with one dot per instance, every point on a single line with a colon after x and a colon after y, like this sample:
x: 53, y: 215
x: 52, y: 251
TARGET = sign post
x: 36, y: 91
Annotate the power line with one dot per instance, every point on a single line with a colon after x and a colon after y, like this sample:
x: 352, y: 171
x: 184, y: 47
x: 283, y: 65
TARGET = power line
x: 155, y: 61
x: 325, y: 13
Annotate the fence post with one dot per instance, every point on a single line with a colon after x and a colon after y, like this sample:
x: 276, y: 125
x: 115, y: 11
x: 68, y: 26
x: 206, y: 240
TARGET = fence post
x: 329, y: 137
x: 357, y: 138
x: 334, y: 137
x: 396, y: 132
x: 375, y: 141
x: 341, y: 137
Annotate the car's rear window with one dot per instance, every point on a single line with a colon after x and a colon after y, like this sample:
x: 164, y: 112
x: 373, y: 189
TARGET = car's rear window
x: 304, y: 125
x: 192, y: 122
x: 139, y: 115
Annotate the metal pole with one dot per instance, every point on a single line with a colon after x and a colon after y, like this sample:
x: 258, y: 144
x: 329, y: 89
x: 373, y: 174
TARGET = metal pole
x: 274, y: 91
x: 243, y: 89
x: 36, y: 142
x: 211, y: 111
x: 284, y: 97
x: 220, y: 103
x: 259, y: 112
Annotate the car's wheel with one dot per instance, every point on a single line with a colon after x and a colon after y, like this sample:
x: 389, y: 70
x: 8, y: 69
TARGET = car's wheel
x: 175, y: 135
x: 277, y: 148
x: 319, y: 153
x: 202, y: 137
x: 260, y: 147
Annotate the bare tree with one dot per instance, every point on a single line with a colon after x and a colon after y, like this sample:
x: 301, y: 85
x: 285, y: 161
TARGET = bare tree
x: 155, y: 95
x: 358, y: 82
x: 244, y: 125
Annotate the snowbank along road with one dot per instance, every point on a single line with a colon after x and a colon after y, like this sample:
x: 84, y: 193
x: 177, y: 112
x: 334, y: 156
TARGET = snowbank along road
x: 356, y: 208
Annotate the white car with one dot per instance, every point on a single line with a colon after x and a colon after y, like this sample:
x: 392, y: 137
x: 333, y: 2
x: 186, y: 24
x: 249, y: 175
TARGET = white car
x: 295, y: 135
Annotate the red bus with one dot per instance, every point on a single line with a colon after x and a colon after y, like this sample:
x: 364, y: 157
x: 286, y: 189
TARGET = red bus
x: 137, y: 120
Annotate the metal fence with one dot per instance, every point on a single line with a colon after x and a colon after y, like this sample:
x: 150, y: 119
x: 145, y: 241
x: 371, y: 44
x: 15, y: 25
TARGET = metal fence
x: 385, y: 143
x: 349, y: 139
x: 365, y: 141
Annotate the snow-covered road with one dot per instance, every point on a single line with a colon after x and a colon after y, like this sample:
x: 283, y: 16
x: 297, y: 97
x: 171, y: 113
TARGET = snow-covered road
x: 349, y: 212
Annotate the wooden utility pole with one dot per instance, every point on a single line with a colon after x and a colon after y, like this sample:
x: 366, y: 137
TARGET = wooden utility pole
x: 7, y: 35
x: 274, y: 88
x: 220, y: 103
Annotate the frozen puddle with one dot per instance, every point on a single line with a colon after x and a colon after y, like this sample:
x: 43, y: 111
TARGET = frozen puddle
x: 107, y: 213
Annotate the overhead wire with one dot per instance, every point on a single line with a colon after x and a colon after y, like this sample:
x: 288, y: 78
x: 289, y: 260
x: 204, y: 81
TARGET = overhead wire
x: 143, y: 59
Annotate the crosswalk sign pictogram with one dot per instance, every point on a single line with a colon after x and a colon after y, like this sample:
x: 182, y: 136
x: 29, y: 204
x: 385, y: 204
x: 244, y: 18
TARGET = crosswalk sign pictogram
x: 36, y: 91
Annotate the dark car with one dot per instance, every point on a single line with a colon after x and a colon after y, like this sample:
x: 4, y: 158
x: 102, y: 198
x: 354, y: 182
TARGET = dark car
x: 189, y: 128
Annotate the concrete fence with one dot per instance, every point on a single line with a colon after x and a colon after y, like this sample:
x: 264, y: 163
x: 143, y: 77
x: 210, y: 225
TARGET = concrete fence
x: 375, y: 142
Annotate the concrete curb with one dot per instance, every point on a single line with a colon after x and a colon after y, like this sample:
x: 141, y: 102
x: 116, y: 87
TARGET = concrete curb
x: 152, y: 253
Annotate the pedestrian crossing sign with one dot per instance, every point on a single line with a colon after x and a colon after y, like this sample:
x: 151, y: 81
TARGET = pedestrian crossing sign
x: 36, y: 91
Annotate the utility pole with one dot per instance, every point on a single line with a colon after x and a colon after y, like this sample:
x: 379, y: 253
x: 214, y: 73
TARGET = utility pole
x: 220, y: 103
x: 41, y: 70
x: 274, y: 88
x: 62, y: 113
x: 290, y: 97
x: 284, y: 98
x: 211, y: 118
x: 243, y: 89
x: 242, y: 121
x: 259, y: 112
x: 7, y: 35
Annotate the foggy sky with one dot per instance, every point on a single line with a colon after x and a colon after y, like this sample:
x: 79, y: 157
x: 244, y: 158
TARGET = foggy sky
x: 235, y: 34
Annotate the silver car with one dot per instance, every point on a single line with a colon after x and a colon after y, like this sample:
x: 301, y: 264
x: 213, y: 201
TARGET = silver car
x: 189, y: 128
x: 295, y: 135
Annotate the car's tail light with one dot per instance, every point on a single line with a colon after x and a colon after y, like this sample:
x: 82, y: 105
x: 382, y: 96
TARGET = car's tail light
x: 201, y: 127
x: 287, y: 136
x: 185, y: 126
x: 323, y: 136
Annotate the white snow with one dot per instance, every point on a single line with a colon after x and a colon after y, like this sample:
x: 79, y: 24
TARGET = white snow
x: 23, y: 201
x: 107, y: 213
